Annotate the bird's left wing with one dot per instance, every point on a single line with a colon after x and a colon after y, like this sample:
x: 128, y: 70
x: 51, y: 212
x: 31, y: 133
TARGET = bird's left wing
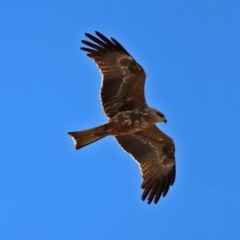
x: 154, y: 151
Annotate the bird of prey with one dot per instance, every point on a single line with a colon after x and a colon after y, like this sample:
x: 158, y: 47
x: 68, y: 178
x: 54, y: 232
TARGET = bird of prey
x: 130, y: 120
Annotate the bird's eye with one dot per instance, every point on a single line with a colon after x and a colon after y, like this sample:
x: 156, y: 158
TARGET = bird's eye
x: 160, y: 114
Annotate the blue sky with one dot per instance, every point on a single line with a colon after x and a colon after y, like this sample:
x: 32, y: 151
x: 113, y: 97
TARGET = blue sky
x: 190, y: 51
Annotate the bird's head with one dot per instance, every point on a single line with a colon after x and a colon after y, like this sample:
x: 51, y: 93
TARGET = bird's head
x: 160, y: 117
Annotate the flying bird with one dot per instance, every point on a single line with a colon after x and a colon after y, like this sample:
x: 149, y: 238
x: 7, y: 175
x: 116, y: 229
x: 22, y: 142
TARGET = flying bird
x: 130, y: 120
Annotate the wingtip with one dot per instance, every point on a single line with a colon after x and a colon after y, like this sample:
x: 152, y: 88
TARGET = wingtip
x: 154, y: 190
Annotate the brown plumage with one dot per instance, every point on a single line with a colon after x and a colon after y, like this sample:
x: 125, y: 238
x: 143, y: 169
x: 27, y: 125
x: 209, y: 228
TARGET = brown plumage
x: 130, y: 120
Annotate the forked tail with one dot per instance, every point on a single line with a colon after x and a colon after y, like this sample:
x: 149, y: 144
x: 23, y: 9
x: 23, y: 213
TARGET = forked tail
x: 83, y: 138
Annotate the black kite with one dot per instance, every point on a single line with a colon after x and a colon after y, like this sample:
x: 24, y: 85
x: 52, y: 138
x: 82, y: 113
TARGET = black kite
x: 130, y: 120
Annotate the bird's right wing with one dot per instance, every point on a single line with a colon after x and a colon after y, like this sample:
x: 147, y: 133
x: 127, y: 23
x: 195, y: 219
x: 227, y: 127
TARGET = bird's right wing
x: 122, y: 77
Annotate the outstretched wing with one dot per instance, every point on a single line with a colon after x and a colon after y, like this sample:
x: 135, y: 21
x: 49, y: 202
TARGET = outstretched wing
x: 154, y: 151
x: 123, y: 78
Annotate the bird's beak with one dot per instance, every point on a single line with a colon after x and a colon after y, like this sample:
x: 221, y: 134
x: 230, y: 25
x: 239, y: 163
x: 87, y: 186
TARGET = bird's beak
x: 165, y: 120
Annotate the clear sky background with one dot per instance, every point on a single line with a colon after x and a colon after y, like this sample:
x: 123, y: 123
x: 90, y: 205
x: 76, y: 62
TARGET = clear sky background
x: 190, y: 51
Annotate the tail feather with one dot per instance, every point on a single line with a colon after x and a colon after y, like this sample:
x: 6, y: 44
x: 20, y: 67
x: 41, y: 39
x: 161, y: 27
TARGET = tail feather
x: 83, y: 138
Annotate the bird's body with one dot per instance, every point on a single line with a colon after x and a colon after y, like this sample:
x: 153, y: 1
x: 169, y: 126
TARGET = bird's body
x: 122, y: 123
x: 130, y: 120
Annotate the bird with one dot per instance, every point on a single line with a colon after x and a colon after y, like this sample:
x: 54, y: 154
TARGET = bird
x: 130, y: 120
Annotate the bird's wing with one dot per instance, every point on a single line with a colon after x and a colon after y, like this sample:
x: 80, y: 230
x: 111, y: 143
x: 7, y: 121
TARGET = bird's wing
x: 154, y: 151
x: 122, y: 77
